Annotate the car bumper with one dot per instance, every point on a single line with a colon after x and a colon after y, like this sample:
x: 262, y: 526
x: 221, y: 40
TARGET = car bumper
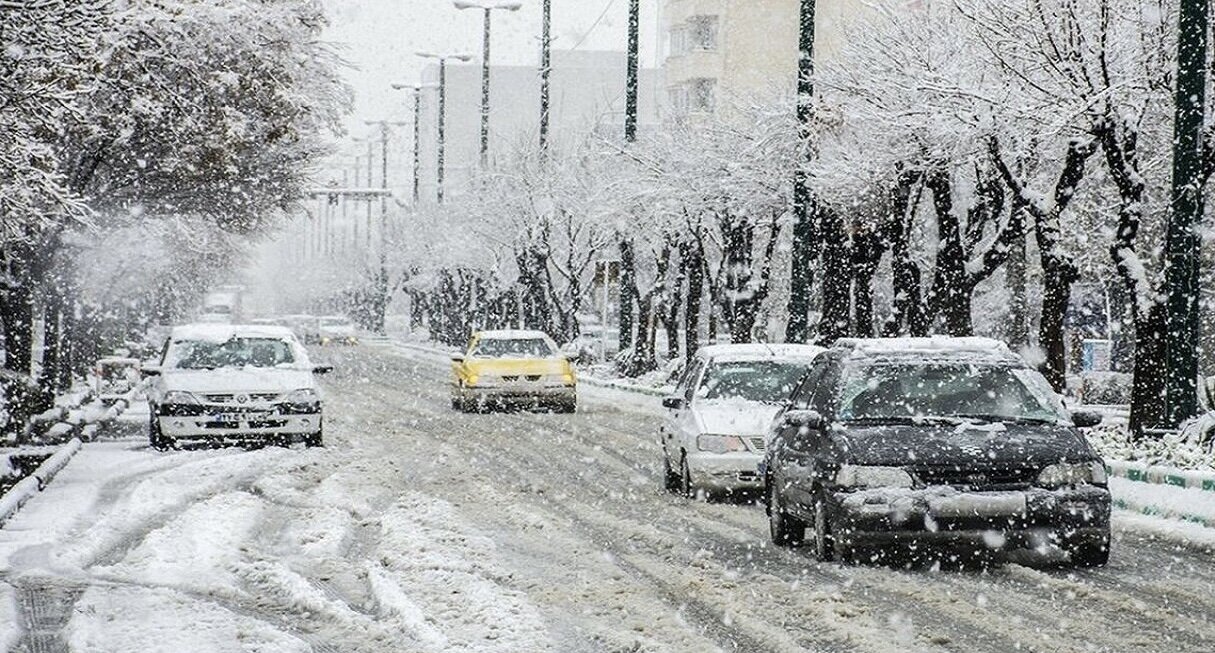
x: 269, y: 427
x: 517, y: 395
x: 992, y: 520
x: 725, y: 471
x: 339, y: 340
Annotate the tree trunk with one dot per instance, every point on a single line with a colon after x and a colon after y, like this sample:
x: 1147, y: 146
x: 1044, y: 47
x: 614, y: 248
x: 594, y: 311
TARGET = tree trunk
x: 908, y: 316
x: 867, y: 250
x: 950, y: 292
x: 837, y: 288
x: 627, y: 293
x: 1017, y: 333
x: 1057, y: 279
x: 17, y: 312
x: 1149, y: 409
x: 692, y: 258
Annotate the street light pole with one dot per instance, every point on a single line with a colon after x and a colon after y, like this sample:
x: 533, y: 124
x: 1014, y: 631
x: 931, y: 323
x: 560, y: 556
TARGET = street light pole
x: 486, y: 6
x: 630, y: 81
x: 416, y: 90
x: 545, y: 68
x: 1181, y: 250
x: 442, y: 146
x: 804, y: 228
x: 381, y: 285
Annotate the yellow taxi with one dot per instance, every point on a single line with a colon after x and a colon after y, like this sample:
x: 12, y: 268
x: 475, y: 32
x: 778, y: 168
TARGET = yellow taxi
x: 513, y: 368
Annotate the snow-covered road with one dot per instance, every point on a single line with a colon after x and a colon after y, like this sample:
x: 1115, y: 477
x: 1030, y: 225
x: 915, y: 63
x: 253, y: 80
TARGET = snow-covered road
x: 422, y: 529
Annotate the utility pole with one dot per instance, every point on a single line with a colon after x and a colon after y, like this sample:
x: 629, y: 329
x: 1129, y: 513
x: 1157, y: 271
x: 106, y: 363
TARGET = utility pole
x: 1181, y: 250
x: 546, y: 44
x: 630, y: 78
x: 381, y: 282
x: 804, y: 227
x: 416, y: 90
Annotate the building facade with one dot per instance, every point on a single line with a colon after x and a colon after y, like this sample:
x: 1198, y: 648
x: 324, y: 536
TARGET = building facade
x: 720, y: 52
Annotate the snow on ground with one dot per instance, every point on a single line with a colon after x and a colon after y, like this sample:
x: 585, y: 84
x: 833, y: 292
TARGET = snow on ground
x: 10, y: 632
x: 126, y: 619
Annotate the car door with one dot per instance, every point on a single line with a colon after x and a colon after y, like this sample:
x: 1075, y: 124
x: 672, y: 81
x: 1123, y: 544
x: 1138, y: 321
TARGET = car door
x: 799, y: 446
x: 677, y: 420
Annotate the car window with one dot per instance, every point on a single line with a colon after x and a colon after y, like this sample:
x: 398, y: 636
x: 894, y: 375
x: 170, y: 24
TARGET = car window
x: 801, y: 398
x: 513, y: 348
x: 903, y: 390
x: 688, y: 382
x: 767, y: 381
x: 236, y: 352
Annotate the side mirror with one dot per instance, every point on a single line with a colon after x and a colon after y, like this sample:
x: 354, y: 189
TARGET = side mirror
x: 1086, y: 418
x: 457, y: 358
x: 150, y: 370
x: 322, y: 369
x: 674, y: 403
x: 809, y: 419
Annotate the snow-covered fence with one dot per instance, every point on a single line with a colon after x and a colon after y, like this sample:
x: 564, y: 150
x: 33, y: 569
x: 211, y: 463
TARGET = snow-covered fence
x: 78, y: 419
x: 26, y: 488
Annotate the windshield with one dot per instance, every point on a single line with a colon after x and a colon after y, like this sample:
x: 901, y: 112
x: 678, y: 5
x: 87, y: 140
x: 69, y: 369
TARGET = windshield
x: 237, y: 352
x: 513, y: 348
x: 947, y: 390
x: 767, y: 381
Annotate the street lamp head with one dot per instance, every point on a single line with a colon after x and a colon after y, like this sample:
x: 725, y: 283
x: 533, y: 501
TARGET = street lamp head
x: 458, y: 56
x: 509, y: 5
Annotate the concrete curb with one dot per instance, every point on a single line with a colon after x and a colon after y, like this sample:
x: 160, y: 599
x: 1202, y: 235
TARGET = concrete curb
x: 31, y: 485
x: 1182, y: 478
x: 1156, y: 511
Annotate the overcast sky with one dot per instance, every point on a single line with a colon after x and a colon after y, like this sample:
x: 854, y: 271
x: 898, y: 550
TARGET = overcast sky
x: 379, y: 38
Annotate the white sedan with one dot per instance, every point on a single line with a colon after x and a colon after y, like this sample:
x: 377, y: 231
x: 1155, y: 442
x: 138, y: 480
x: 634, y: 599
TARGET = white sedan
x: 219, y: 382
x: 713, y: 434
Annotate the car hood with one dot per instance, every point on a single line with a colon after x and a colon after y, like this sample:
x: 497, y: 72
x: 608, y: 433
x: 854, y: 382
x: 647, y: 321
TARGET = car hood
x: 734, y: 417
x: 946, y: 445
x: 516, y: 366
x: 341, y: 329
x: 235, y: 379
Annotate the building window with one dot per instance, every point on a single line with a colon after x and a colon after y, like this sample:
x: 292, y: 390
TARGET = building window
x: 699, y: 33
x: 702, y: 95
x: 702, y: 33
x: 697, y: 95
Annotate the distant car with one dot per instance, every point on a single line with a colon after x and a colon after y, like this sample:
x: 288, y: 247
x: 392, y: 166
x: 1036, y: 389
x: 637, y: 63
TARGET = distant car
x: 115, y: 376
x: 902, y: 444
x: 234, y: 383
x: 513, y: 368
x: 713, y: 434
x: 336, y: 329
x: 305, y: 327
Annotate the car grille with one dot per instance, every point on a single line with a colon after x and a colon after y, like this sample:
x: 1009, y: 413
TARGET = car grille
x: 988, y: 478
x: 230, y: 398
x: 757, y: 444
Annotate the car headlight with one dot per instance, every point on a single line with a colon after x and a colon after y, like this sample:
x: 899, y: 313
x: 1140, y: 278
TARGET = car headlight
x: 471, y: 380
x: 720, y: 443
x: 865, y: 476
x: 181, y: 398
x: 302, y: 396
x: 1065, y: 474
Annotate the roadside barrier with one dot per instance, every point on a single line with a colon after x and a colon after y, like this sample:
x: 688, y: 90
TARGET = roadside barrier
x: 1183, y: 478
x: 31, y: 485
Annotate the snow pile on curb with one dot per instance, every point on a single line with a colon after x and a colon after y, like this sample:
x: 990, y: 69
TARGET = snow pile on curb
x: 31, y: 485
x: 1114, y: 442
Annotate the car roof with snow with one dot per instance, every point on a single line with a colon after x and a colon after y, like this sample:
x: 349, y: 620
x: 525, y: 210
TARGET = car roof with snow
x: 511, y: 334
x: 226, y: 332
x: 986, y: 350
x: 759, y: 351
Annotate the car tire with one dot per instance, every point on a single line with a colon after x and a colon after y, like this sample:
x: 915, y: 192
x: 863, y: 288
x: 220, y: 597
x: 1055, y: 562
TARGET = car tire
x: 670, y: 479
x: 784, y: 529
x: 1090, y: 552
x: 155, y: 439
x: 824, y: 538
x: 314, y: 439
x: 686, y: 487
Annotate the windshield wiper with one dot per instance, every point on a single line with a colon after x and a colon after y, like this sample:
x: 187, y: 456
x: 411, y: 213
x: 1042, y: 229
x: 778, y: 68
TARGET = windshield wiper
x: 1016, y: 419
x: 908, y: 419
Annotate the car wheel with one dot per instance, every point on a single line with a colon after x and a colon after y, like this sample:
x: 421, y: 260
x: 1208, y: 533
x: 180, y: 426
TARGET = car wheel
x: 1090, y: 552
x: 686, y: 487
x: 670, y: 480
x: 314, y: 440
x: 155, y: 439
x: 784, y: 529
x: 824, y: 539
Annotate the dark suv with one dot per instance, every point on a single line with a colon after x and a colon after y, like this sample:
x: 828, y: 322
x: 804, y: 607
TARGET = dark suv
x: 893, y: 444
